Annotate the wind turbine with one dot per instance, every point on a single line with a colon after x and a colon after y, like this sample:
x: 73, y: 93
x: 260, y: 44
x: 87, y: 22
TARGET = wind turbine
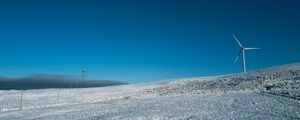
x: 243, y: 49
x: 83, y: 71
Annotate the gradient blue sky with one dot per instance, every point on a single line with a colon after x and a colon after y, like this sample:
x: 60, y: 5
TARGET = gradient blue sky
x: 143, y: 40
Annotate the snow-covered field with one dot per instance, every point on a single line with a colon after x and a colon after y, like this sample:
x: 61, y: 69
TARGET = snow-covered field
x: 272, y: 93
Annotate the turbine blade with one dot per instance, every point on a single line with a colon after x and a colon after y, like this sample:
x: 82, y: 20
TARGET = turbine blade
x: 237, y: 57
x: 237, y: 41
x: 252, y: 48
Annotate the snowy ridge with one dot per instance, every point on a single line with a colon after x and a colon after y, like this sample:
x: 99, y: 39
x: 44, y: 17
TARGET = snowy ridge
x: 271, y: 93
x: 285, y: 79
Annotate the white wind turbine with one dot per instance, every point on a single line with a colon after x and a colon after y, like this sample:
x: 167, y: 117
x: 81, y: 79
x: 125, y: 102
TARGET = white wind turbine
x: 243, y: 49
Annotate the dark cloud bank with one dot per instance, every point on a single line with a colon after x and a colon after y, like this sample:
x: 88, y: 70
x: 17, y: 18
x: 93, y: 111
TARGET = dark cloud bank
x: 51, y: 81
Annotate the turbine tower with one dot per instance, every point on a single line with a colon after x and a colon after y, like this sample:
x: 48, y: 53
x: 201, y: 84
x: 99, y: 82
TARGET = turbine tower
x: 242, y: 51
x: 83, y: 71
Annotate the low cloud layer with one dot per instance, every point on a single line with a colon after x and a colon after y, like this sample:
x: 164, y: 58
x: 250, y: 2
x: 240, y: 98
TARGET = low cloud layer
x: 51, y: 81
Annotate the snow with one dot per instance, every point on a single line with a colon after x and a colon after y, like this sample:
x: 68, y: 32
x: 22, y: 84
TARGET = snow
x: 271, y: 93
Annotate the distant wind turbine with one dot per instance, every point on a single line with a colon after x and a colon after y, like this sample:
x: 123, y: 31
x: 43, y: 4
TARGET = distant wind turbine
x: 83, y: 71
x: 243, y: 49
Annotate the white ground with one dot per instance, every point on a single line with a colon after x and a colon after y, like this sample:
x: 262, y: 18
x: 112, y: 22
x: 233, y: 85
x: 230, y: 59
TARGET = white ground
x: 265, y: 94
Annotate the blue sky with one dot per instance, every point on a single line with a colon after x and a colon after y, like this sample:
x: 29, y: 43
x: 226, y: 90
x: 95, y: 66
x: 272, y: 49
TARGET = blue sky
x: 144, y: 40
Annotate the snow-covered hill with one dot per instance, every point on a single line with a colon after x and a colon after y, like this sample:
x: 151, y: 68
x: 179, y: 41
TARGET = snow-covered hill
x: 272, y: 93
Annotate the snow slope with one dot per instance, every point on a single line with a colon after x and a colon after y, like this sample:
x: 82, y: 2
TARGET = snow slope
x: 271, y: 93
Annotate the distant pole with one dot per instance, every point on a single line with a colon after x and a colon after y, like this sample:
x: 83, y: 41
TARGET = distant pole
x: 57, y: 98
x: 66, y: 84
x: 70, y: 83
x: 21, y: 101
x: 76, y: 86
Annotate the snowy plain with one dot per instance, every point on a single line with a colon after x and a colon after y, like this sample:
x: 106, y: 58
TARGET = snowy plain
x: 272, y: 93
